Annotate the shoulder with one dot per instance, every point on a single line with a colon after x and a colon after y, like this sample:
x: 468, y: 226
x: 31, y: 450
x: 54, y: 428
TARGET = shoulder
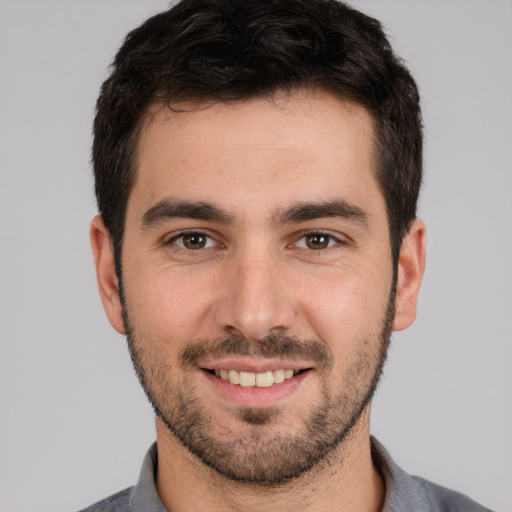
x: 142, y: 497
x: 439, y: 498
x: 407, y: 493
x: 119, y: 502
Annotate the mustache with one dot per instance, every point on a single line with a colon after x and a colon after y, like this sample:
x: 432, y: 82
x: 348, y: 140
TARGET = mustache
x: 275, y: 345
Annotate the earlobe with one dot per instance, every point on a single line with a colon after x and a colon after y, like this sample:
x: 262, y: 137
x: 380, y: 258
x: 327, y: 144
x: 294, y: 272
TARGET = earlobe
x: 105, y: 273
x: 411, y: 264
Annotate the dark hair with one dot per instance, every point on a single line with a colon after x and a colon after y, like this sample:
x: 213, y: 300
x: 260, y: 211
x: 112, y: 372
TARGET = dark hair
x: 229, y: 50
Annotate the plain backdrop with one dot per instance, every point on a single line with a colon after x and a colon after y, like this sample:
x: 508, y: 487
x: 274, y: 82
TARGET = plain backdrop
x: 74, y: 425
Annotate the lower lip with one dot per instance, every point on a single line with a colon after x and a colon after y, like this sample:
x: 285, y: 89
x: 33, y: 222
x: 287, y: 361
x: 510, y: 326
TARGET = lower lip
x: 254, y: 396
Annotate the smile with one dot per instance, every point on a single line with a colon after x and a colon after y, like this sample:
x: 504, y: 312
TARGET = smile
x: 250, y: 379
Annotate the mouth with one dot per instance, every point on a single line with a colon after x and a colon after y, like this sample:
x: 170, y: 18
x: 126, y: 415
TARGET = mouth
x: 256, y: 384
x: 253, y: 379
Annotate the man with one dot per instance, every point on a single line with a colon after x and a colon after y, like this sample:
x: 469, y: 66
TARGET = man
x: 257, y: 169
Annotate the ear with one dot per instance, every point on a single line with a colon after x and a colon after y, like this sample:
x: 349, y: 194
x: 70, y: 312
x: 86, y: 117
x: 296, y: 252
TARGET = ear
x: 411, y: 264
x: 106, y: 274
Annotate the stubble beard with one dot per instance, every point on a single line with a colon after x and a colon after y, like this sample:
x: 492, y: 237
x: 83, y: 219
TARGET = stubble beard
x: 262, y: 455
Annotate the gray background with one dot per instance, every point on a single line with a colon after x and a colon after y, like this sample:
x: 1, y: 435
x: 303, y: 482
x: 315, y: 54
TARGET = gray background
x: 74, y: 425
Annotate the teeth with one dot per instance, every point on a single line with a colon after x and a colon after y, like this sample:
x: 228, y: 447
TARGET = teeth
x: 233, y: 376
x: 278, y: 376
x: 260, y: 380
x: 264, y: 380
x: 247, y: 379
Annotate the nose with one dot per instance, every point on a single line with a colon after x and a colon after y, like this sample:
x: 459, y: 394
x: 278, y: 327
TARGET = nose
x: 256, y: 298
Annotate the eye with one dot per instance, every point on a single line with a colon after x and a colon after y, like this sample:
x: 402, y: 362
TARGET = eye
x: 316, y: 241
x: 192, y: 241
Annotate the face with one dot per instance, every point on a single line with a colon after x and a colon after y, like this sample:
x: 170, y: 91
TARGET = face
x: 257, y: 280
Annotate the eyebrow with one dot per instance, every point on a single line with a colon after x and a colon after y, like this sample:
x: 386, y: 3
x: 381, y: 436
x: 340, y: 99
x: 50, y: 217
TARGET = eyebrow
x: 302, y: 212
x: 170, y: 209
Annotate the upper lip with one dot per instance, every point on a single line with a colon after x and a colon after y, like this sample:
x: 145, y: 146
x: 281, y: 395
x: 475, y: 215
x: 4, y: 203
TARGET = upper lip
x: 254, y: 364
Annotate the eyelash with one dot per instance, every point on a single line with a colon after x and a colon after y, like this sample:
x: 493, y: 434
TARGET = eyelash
x: 173, y: 240
x: 332, y: 241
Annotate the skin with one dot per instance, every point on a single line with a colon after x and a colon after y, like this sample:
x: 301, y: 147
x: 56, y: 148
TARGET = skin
x: 257, y: 276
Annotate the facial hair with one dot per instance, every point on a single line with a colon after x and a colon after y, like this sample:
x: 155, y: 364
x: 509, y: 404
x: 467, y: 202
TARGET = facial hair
x: 261, y: 455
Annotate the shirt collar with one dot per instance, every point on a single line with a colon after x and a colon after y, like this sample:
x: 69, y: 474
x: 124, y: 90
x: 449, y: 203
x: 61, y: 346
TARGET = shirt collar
x: 399, y: 485
x: 144, y: 495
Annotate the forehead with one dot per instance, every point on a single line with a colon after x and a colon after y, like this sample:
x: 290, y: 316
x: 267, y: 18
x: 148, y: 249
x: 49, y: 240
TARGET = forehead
x: 303, y: 146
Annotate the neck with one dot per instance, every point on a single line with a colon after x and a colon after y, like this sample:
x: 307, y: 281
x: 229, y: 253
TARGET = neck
x: 346, y: 480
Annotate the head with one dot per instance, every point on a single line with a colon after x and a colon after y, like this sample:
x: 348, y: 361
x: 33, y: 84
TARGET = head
x: 257, y: 169
x: 231, y: 50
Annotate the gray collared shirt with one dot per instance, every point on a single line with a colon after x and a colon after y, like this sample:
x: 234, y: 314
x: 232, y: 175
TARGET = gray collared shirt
x: 404, y: 493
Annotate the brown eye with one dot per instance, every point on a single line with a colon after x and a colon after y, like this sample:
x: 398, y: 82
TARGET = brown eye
x: 194, y: 241
x: 317, y: 241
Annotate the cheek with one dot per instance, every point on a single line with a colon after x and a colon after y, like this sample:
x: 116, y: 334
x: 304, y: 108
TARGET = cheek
x: 346, y: 306
x: 168, y: 305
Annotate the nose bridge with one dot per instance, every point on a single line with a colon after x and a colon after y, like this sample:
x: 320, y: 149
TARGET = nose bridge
x: 254, y: 302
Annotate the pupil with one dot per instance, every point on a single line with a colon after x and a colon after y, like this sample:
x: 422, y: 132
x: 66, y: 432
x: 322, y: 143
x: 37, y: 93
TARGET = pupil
x: 194, y: 241
x: 317, y: 241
